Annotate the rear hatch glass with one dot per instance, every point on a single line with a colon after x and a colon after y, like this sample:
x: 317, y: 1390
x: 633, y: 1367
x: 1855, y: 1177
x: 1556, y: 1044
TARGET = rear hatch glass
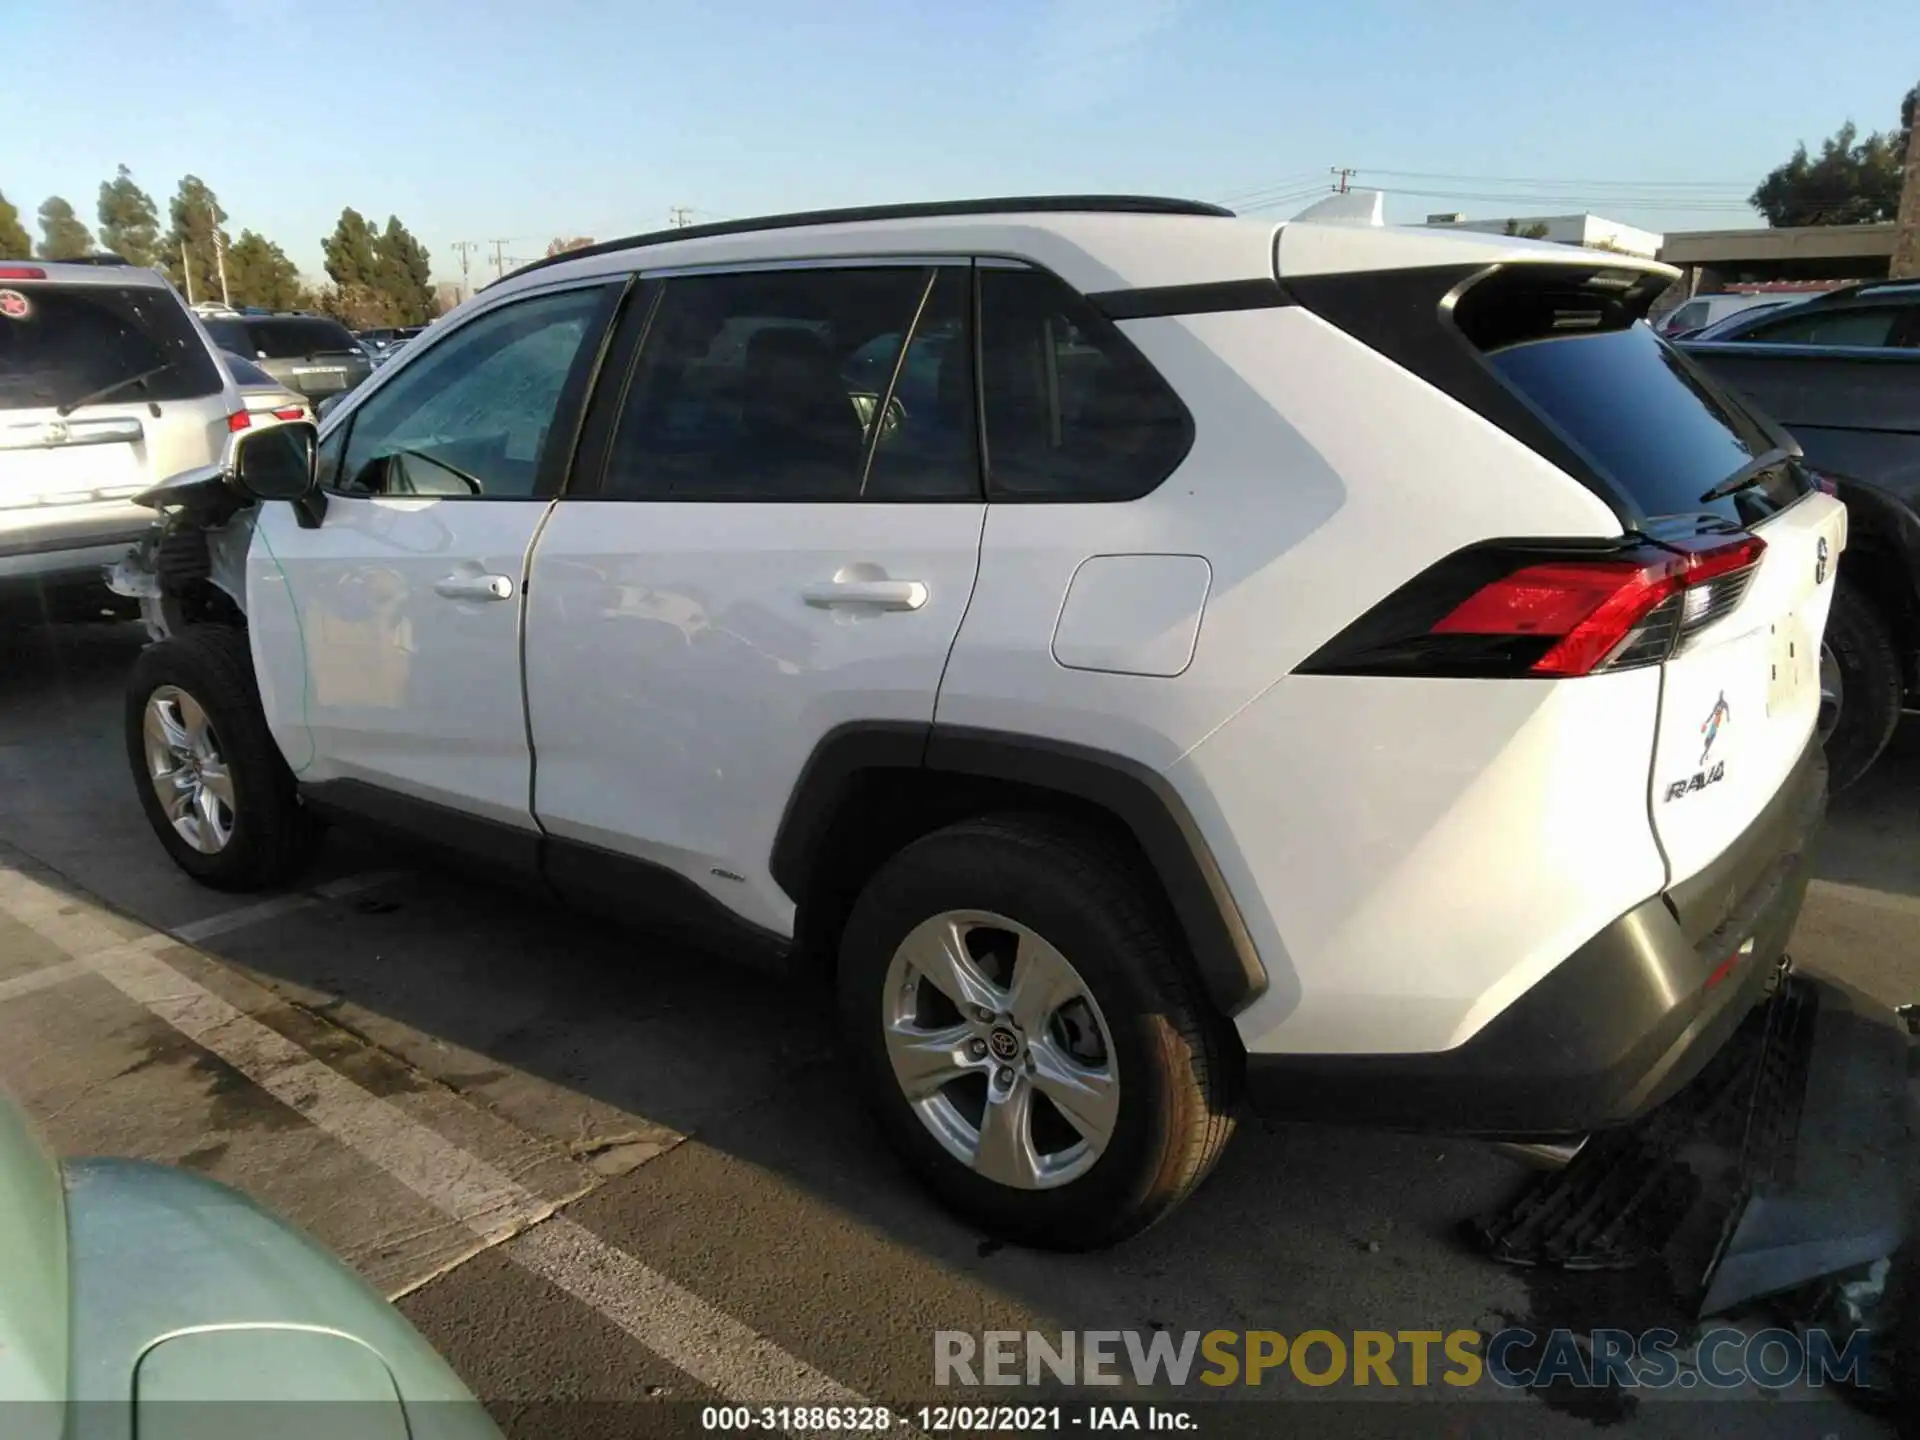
x: 98, y: 344
x: 1642, y: 415
x: 298, y: 337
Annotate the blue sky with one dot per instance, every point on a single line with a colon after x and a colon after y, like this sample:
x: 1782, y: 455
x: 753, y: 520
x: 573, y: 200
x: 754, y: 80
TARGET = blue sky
x: 476, y: 119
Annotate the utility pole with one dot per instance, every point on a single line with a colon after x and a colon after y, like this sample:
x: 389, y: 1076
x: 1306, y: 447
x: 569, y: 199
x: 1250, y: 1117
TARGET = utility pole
x: 186, y: 270
x: 679, y: 217
x: 1345, y: 173
x: 1906, y: 234
x: 220, y: 262
x: 499, y: 258
x: 466, y: 249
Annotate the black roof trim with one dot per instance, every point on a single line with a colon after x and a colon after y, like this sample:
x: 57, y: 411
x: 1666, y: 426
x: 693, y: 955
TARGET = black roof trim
x: 1205, y: 298
x: 918, y: 210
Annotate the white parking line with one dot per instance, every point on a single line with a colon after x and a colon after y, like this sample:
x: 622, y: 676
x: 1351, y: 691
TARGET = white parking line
x: 702, y: 1341
x: 196, y: 931
x: 45, y: 978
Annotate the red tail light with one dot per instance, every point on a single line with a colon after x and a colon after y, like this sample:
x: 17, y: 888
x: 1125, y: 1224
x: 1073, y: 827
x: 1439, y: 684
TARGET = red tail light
x: 22, y: 272
x: 1528, y: 611
x: 290, y: 412
x: 239, y: 420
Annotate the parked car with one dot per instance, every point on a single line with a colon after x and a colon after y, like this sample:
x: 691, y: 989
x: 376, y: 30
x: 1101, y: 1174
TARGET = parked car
x: 1842, y: 373
x: 1361, y: 666
x: 153, y: 1300
x: 1704, y: 310
x: 312, y: 354
x: 387, y: 352
x: 265, y: 398
x: 386, y: 335
x: 106, y: 387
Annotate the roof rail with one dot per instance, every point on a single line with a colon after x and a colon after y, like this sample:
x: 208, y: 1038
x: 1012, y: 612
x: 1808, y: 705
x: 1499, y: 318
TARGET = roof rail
x: 918, y: 210
x: 103, y: 257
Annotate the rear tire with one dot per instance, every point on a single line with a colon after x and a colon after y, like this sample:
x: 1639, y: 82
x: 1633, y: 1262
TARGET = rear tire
x: 1861, y: 645
x: 198, y: 688
x: 1031, y: 891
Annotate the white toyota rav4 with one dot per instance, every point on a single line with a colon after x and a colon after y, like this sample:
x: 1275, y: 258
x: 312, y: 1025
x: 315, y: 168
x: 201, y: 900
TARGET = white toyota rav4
x: 1144, y: 654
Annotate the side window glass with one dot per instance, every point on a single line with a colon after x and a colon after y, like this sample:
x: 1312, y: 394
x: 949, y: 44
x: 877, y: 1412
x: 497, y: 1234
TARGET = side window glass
x: 928, y: 445
x: 471, y: 416
x: 327, y: 460
x: 1860, y: 326
x: 1073, y: 411
x: 771, y: 385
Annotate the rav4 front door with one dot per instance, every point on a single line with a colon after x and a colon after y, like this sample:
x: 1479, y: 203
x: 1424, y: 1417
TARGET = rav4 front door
x: 784, y: 539
x: 387, y: 638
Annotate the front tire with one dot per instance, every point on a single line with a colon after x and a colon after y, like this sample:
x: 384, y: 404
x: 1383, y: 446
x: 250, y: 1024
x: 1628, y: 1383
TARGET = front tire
x: 1860, y: 685
x: 210, y: 777
x: 1028, y: 1035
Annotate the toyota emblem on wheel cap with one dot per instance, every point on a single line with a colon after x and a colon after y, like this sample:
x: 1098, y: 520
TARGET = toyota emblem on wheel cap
x: 1004, y: 1044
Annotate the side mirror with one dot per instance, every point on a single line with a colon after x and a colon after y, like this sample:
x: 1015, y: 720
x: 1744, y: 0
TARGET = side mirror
x: 278, y: 463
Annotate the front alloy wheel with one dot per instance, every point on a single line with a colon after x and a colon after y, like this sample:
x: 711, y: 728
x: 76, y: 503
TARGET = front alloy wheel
x: 188, y: 773
x: 1001, y: 1049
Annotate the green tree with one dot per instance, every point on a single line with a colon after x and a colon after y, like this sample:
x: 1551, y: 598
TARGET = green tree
x: 353, y: 264
x: 64, y: 237
x: 15, y: 243
x: 1855, y: 179
x: 406, y: 277
x: 259, y: 273
x: 560, y: 245
x: 1536, y: 231
x: 191, y: 253
x: 129, y: 225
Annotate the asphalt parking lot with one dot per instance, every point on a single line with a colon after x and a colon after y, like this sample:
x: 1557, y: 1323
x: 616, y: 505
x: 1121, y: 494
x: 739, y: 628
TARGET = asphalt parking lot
x: 607, y: 1179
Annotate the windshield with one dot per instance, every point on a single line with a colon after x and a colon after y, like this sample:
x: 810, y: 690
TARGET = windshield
x: 62, y: 342
x: 297, y: 336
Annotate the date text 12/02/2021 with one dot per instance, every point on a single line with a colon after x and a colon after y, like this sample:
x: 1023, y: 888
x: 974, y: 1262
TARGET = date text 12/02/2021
x: 945, y: 1419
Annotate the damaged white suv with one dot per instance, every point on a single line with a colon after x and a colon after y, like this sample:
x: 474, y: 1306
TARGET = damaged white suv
x: 1143, y: 653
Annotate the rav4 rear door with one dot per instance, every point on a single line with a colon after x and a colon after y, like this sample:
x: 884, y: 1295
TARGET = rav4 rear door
x: 1740, y: 691
x: 775, y: 533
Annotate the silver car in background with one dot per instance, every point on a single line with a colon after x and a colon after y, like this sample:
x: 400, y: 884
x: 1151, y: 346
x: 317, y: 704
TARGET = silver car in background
x: 107, y: 386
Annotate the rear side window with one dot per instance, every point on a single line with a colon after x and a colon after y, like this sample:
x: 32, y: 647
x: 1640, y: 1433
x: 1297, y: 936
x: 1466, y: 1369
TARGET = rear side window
x: 297, y: 337
x: 1689, y: 316
x: 1869, y: 325
x: 1639, y: 412
x: 230, y: 335
x: 62, y: 343
x: 806, y: 385
x: 1072, y: 410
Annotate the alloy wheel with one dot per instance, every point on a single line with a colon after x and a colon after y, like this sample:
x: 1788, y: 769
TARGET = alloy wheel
x: 1001, y: 1049
x: 188, y: 772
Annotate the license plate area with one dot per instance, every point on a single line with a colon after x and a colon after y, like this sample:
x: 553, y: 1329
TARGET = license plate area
x: 1791, y: 665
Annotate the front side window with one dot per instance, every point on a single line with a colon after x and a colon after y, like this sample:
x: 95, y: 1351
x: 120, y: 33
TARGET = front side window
x: 791, y: 385
x: 1073, y: 411
x: 471, y: 417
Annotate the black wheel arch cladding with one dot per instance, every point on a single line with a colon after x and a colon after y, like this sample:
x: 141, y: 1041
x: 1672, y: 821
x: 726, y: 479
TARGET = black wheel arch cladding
x: 1138, y: 799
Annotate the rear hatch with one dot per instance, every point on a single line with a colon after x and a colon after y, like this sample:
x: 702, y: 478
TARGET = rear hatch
x: 309, y: 353
x: 1696, y: 470
x: 95, y: 385
x: 1724, y: 571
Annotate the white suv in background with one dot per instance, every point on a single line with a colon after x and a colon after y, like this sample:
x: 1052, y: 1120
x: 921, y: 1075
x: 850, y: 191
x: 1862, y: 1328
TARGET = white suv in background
x: 1138, y: 653
x: 107, y: 386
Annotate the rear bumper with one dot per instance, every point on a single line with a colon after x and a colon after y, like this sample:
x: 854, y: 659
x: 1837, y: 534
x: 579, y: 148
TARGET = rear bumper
x: 61, y: 542
x: 1622, y: 1023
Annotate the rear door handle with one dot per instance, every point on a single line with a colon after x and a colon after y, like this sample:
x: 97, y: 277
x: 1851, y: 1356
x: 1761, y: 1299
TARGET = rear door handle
x: 869, y: 594
x: 474, y: 587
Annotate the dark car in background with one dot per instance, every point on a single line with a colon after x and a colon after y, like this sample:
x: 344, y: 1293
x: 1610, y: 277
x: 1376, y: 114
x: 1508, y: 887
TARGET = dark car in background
x: 311, y: 354
x: 1841, y: 371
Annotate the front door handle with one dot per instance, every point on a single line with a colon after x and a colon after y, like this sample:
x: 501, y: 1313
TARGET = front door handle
x: 867, y: 594
x: 474, y: 587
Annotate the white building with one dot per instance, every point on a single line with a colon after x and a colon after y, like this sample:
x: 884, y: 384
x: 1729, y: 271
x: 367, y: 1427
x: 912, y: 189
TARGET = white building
x: 1580, y: 229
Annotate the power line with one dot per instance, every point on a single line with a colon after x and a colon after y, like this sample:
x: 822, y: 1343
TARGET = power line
x: 1345, y: 173
x: 1621, y: 202
x: 679, y: 216
x: 499, y: 258
x: 466, y: 249
x: 1566, y: 183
